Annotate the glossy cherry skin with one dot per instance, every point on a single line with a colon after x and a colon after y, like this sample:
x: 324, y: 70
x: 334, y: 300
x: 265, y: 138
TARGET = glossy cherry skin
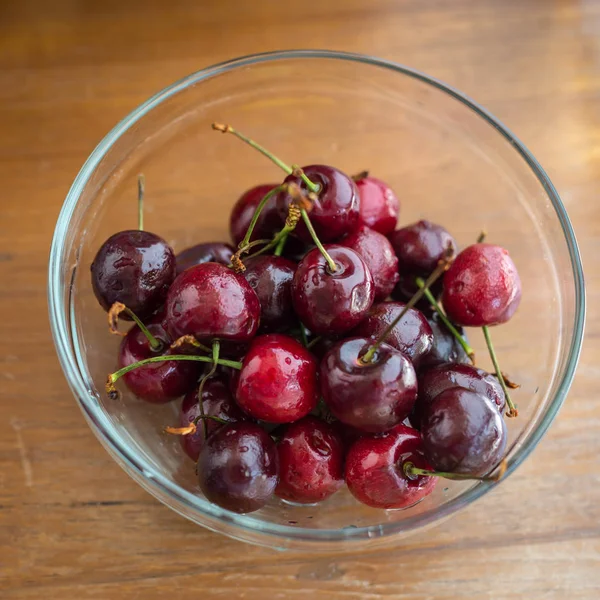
x: 482, y: 286
x: 159, y: 382
x: 335, y: 211
x: 379, y: 207
x: 445, y: 346
x: 332, y: 303
x: 311, y: 461
x: 269, y: 221
x: 218, y: 252
x: 412, y: 335
x: 133, y: 267
x: 211, y: 301
x: 217, y: 401
x: 375, y: 469
x: 378, y: 254
x: 372, y: 397
x: 238, y: 467
x: 433, y: 381
x: 278, y: 380
x: 271, y: 278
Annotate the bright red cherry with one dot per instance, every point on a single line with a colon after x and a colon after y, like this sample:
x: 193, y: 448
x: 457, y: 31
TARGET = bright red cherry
x: 133, y: 267
x: 158, y: 382
x: 238, y: 467
x: 211, y: 301
x: 379, y: 206
x: 217, y: 401
x: 332, y: 302
x: 463, y: 432
x: 375, y: 469
x: 378, y: 254
x: 335, y: 211
x: 311, y: 461
x: 412, y: 335
x: 482, y: 286
x: 372, y: 397
x: 278, y: 380
x: 218, y: 252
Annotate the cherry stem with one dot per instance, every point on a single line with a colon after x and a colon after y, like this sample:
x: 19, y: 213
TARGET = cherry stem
x: 289, y: 170
x: 114, y: 377
x: 280, y: 245
x: 330, y: 262
x: 361, y: 175
x: 216, y: 347
x: 481, y: 237
x: 314, y: 341
x: 443, y: 265
x: 512, y: 409
x: 191, y: 428
x: 412, y: 472
x: 438, y: 309
x: 303, y: 336
x: 113, y: 324
x: 141, y: 190
x: 256, y: 215
x: 188, y: 340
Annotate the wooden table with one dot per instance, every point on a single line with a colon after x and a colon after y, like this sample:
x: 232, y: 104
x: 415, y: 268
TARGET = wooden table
x: 68, y: 71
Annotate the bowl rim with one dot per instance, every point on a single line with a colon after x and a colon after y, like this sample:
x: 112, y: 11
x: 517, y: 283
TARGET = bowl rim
x: 157, y: 484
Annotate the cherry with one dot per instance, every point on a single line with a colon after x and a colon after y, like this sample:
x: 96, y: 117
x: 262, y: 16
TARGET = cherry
x: 217, y: 401
x: 269, y: 221
x: 379, y: 206
x: 218, y: 252
x: 435, y: 380
x: 332, y: 302
x: 446, y: 347
x: 482, y: 287
x: 378, y: 254
x: 372, y: 397
x: 271, y: 278
x: 463, y: 432
x: 211, y: 301
x: 133, y: 267
x: 238, y: 467
x: 311, y: 461
x: 375, y: 469
x: 278, y: 380
x: 335, y: 209
x: 159, y: 382
x: 412, y: 335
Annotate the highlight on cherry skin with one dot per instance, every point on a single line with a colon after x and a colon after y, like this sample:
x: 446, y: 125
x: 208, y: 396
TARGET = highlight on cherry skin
x: 323, y: 346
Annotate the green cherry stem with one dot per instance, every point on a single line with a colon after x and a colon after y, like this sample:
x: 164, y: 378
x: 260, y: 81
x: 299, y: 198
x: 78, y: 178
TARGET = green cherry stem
x: 216, y: 347
x: 449, y: 325
x: 256, y: 215
x: 191, y: 428
x: 443, y: 265
x: 481, y: 237
x: 330, y: 262
x: 412, y: 472
x: 512, y: 409
x: 280, y: 245
x: 113, y: 324
x: 141, y: 190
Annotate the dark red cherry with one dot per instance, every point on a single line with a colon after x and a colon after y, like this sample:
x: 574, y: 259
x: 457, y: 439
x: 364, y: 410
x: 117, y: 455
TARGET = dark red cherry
x: 217, y: 401
x: 334, y: 212
x: 375, y: 469
x: 311, y: 461
x: 482, y: 286
x: 269, y: 222
x: 332, y: 302
x: 278, y: 380
x: 159, y: 382
x: 379, y: 206
x: 271, y: 278
x: 437, y: 379
x: 218, y: 252
x: 463, y: 432
x: 371, y: 397
x: 135, y: 268
x: 378, y: 254
x: 445, y: 346
x: 211, y: 301
x: 412, y: 335
x: 238, y: 467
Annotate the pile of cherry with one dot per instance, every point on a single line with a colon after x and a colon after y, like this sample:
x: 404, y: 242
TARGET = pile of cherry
x: 317, y: 351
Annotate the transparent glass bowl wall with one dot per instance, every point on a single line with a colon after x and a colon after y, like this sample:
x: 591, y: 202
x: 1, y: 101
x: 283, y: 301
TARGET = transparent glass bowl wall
x: 447, y: 160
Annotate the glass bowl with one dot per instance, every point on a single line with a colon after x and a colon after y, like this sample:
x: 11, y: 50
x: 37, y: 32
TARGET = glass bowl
x: 448, y: 160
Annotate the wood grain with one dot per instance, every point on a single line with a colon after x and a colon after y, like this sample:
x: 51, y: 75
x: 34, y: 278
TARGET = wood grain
x: 69, y: 70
